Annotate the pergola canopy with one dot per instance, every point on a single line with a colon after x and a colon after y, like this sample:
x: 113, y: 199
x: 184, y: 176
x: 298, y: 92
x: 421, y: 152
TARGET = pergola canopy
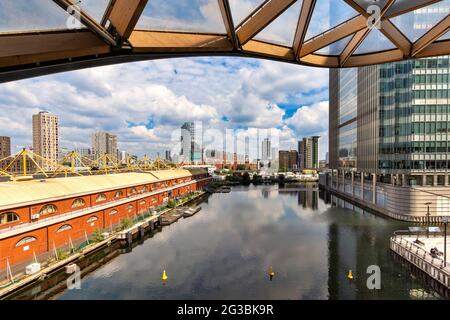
x: 45, y: 36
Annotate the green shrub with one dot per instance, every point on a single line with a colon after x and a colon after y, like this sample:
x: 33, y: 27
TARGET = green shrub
x: 171, y: 203
x: 62, y: 254
x: 125, y: 224
x: 97, y: 236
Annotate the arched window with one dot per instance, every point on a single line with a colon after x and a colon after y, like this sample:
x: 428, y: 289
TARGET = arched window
x: 144, y: 189
x: 130, y: 206
x: 113, y: 212
x: 142, y: 202
x: 118, y: 194
x: 133, y: 191
x: 101, y: 197
x: 25, y: 241
x: 64, y: 228
x: 8, y: 217
x: 48, y: 209
x: 78, y: 203
x: 92, y: 219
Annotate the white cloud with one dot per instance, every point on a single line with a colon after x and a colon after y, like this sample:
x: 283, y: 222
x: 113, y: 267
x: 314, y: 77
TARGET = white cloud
x: 145, y: 102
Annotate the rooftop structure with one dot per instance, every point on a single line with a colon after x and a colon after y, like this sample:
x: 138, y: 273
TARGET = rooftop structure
x: 341, y: 33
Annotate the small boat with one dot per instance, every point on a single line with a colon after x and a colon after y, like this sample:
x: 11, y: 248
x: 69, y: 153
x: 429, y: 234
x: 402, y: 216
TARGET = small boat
x: 224, y: 189
x: 191, y: 211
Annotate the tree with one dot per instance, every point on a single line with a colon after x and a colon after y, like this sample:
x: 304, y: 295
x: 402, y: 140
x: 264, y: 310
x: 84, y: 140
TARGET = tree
x: 246, y: 178
x: 281, y: 179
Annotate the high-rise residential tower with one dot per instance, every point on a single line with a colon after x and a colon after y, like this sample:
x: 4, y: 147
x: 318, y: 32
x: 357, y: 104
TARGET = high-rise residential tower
x: 5, y: 147
x: 308, y: 150
x: 46, y: 138
x: 104, y: 143
x: 191, y: 146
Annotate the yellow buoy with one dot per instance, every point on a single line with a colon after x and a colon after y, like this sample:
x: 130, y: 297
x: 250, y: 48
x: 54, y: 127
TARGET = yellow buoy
x: 350, y: 275
x: 164, y: 275
x: 271, y: 273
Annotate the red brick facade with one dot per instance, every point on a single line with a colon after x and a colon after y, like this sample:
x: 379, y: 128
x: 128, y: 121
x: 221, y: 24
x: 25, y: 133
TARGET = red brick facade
x: 55, y: 234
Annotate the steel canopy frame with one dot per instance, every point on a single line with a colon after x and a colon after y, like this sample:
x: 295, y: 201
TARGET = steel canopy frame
x: 117, y: 40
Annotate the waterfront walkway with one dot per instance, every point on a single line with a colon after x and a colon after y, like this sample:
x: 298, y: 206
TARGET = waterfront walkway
x: 417, y: 251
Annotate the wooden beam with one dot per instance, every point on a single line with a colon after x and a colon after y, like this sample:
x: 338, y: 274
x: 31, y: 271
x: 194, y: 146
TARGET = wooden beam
x: 39, y: 47
x: 343, y: 30
x: 320, y: 60
x: 432, y: 35
x: 394, y: 12
x: 125, y: 15
x: 375, y: 58
x: 440, y: 48
x: 161, y: 41
x: 261, y: 18
x: 88, y: 21
x: 269, y: 50
x: 389, y: 30
x: 303, y: 23
x: 352, y: 45
x: 227, y: 17
x: 396, y: 37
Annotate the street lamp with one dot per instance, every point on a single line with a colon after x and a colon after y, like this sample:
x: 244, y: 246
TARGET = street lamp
x: 428, y: 216
x: 445, y: 221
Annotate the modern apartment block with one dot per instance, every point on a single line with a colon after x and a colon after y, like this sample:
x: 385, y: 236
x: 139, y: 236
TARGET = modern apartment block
x: 46, y: 139
x: 104, y: 143
x: 5, y: 147
x: 308, y: 151
x: 266, y: 149
x: 288, y: 160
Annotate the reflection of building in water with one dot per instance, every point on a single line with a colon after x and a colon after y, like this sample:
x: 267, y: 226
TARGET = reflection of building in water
x: 265, y: 193
x: 308, y: 199
x: 355, y: 245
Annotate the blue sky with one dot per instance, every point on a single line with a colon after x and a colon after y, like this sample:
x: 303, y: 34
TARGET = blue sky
x: 144, y: 103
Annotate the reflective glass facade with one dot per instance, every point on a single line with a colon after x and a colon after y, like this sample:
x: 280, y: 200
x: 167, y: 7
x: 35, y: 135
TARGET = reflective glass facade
x: 348, y: 94
x: 414, y: 116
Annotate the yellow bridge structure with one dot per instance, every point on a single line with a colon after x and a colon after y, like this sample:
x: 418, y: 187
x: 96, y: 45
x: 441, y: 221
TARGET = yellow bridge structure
x: 26, y: 164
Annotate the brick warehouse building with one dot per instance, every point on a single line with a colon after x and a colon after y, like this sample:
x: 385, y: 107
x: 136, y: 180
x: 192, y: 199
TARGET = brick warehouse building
x: 40, y: 216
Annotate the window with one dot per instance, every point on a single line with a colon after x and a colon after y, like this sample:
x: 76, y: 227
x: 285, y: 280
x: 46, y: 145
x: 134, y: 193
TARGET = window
x: 130, y: 206
x: 113, y: 212
x: 8, y: 217
x: 133, y: 191
x: 101, y: 197
x: 64, y: 228
x: 25, y: 241
x: 144, y: 189
x: 92, y: 219
x: 118, y: 194
x: 78, y: 203
x: 48, y: 209
x: 142, y: 202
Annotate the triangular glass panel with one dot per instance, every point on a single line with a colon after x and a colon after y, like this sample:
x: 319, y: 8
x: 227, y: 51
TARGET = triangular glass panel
x: 336, y: 48
x: 328, y: 14
x: 188, y: 16
x: 416, y: 23
x: 241, y: 9
x: 32, y: 15
x: 95, y: 8
x: 445, y: 36
x: 282, y: 29
x: 374, y: 42
x: 400, y: 6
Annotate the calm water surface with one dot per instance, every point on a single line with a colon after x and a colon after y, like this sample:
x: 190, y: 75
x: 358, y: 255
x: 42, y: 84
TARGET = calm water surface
x: 226, y: 250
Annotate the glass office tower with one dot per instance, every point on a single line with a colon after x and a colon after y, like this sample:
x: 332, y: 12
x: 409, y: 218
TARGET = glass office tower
x: 389, y: 126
